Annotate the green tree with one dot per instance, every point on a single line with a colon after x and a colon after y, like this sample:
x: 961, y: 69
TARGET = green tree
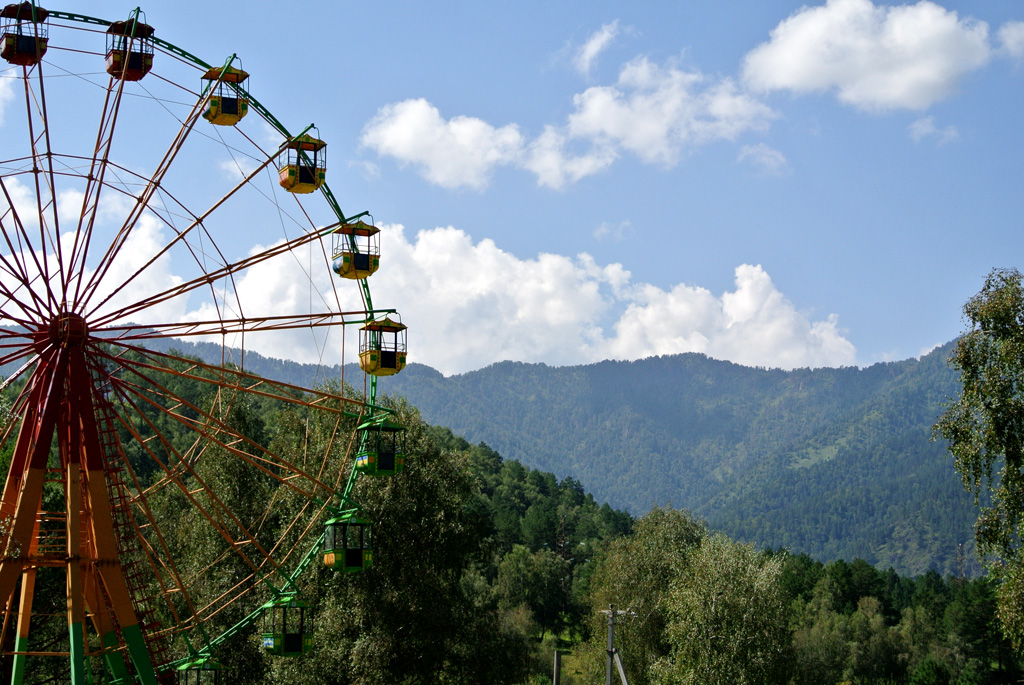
x: 820, y: 638
x: 636, y: 572
x: 984, y: 428
x: 727, y: 618
x: 537, y: 580
x: 874, y: 647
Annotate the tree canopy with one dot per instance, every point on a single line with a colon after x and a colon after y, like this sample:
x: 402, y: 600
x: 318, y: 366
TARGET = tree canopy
x: 984, y: 428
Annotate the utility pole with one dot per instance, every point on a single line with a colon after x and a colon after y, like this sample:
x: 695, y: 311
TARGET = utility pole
x: 613, y: 654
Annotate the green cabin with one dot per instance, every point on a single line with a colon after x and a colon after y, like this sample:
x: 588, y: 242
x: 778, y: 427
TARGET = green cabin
x: 287, y: 627
x: 347, y: 544
x: 381, y: 448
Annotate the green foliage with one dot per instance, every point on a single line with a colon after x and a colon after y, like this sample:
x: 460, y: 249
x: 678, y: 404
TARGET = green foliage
x: 637, y: 573
x: 535, y: 580
x: 475, y: 555
x: 929, y: 672
x: 984, y: 428
x: 418, y: 616
x: 832, y: 462
x: 727, y: 618
x: 836, y: 463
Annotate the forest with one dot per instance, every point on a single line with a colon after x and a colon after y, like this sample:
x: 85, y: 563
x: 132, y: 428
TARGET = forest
x: 483, y: 567
x: 834, y: 462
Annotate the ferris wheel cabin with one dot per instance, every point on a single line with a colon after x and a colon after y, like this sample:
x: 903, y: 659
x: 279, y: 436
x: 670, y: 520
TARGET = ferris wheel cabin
x: 382, y: 346
x: 129, y: 49
x: 23, y: 40
x: 287, y: 627
x: 347, y: 544
x: 356, y: 250
x: 305, y: 164
x: 228, y: 103
x: 381, y: 448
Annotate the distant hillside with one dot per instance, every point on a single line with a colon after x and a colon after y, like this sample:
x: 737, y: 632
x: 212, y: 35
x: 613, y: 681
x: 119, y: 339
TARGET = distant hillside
x: 832, y: 462
x: 836, y: 463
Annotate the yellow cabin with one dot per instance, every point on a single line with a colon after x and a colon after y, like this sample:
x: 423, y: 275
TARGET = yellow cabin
x: 382, y: 347
x: 305, y: 164
x: 228, y: 103
x: 129, y: 49
x: 356, y: 250
x: 23, y: 39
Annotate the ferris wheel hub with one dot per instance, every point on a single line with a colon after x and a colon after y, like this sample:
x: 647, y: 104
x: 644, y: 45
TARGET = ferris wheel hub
x: 69, y: 329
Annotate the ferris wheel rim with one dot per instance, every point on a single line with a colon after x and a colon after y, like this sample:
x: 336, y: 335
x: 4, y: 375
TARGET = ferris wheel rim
x: 38, y: 307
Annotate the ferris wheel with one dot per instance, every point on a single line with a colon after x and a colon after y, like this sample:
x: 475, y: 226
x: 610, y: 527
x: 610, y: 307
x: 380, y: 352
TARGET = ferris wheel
x: 147, y: 198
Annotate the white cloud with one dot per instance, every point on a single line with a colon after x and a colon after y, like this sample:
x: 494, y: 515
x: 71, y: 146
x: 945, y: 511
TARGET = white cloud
x: 238, y: 167
x: 452, y: 153
x: 616, y: 232
x: 753, y: 325
x: 293, y: 283
x: 547, y: 157
x: 654, y: 112
x: 925, y: 128
x: 1011, y: 38
x: 595, y: 45
x: 874, y: 57
x: 143, y: 243
x: 24, y: 201
x: 471, y: 304
x: 767, y: 159
x: 126, y: 266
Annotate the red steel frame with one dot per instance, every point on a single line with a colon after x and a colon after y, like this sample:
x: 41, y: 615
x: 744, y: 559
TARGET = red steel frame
x: 86, y: 374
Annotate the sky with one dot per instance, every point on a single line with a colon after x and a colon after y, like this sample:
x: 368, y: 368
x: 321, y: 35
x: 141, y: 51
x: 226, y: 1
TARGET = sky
x: 771, y: 183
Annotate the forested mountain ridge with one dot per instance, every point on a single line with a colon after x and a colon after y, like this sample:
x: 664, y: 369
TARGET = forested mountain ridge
x: 837, y: 463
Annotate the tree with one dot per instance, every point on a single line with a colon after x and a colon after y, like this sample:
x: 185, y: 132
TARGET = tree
x: 874, y: 647
x: 985, y: 431
x: 820, y: 638
x: 537, y: 580
x: 636, y: 573
x: 727, y: 618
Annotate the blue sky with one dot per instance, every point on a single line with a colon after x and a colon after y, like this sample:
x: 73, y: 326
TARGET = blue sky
x: 773, y: 183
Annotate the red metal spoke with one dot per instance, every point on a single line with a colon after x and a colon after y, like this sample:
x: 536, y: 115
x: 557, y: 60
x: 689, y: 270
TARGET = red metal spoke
x: 259, y: 457
x: 174, y: 476
x: 164, y: 560
x: 24, y: 282
x: 13, y: 357
x: 42, y: 165
x: 183, y: 234
x: 211, y: 277
x: 216, y: 327
x: 94, y: 185
x: 24, y: 243
x: 13, y: 318
x: 246, y: 382
x: 141, y: 204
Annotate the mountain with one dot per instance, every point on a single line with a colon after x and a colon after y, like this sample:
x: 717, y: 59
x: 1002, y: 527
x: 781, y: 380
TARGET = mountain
x: 837, y: 463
